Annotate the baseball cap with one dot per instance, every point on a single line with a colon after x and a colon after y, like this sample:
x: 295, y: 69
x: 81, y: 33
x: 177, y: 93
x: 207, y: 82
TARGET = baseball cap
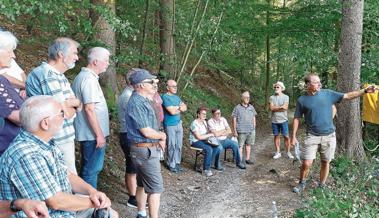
x: 138, y: 75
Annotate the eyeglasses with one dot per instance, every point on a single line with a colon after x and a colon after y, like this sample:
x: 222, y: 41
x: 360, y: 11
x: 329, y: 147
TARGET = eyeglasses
x: 203, y: 113
x: 173, y: 87
x: 150, y: 81
x: 217, y: 112
x: 276, y: 87
x: 61, y: 113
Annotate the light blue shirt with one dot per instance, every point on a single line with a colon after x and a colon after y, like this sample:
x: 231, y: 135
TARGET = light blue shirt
x: 87, y: 89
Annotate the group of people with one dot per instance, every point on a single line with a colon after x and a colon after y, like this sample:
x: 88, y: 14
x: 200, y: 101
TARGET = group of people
x: 43, y: 114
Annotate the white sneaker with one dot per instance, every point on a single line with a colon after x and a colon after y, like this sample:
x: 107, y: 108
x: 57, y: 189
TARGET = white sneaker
x: 277, y: 155
x: 289, y: 155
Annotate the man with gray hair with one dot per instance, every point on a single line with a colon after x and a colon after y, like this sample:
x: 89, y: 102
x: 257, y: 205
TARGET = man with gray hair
x: 49, y: 79
x: 92, y: 123
x: 146, y: 141
x: 244, y: 125
x: 279, y: 119
x: 33, y: 167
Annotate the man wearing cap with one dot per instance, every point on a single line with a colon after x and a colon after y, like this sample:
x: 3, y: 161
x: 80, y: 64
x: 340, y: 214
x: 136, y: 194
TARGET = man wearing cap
x: 279, y: 119
x: 146, y: 141
x: 244, y: 124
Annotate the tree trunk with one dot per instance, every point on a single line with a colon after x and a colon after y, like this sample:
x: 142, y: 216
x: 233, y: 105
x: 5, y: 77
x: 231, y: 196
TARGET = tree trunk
x: 267, y: 82
x: 105, y: 34
x: 166, y: 36
x: 349, y: 133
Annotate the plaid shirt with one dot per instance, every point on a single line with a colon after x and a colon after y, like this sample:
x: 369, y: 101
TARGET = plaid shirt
x: 33, y: 169
x: 45, y: 80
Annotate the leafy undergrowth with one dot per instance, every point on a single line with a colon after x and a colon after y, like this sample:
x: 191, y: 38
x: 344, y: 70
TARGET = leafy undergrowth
x: 353, y: 194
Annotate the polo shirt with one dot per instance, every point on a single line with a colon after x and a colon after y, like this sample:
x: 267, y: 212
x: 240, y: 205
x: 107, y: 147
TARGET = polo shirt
x: 244, y: 116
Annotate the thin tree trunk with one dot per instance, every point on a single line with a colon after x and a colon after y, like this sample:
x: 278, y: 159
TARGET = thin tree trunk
x: 192, y: 41
x: 267, y: 82
x: 144, y: 30
x: 105, y: 34
x: 349, y: 133
x: 166, y: 37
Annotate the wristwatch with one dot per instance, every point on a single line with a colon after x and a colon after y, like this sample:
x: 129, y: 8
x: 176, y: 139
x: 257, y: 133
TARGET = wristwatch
x: 13, y: 207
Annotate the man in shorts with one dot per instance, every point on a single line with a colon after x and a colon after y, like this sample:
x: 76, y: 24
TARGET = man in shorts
x: 146, y: 141
x: 244, y: 125
x: 317, y: 108
x: 279, y: 119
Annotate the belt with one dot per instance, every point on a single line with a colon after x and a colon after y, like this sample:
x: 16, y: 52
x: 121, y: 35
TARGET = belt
x: 146, y: 144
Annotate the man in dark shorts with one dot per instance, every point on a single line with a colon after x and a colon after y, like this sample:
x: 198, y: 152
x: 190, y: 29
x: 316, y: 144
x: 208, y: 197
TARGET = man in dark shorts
x: 146, y: 141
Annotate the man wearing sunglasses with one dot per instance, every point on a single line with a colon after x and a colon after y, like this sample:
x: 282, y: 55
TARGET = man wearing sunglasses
x: 279, y: 119
x: 146, y: 141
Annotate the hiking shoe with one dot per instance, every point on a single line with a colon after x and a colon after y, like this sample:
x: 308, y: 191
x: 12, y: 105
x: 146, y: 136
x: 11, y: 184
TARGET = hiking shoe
x: 208, y: 173
x: 179, y: 168
x: 277, y: 155
x: 241, y: 166
x: 140, y: 216
x: 132, y: 202
x: 219, y: 169
x: 299, y: 188
x: 289, y: 155
x: 249, y: 162
x: 173, y: 169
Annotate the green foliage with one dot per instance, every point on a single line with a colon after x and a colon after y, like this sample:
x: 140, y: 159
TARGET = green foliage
x: 354, y: 194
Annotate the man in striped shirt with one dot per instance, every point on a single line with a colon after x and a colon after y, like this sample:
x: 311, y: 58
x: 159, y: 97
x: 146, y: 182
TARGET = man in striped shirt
x: 49, y: 79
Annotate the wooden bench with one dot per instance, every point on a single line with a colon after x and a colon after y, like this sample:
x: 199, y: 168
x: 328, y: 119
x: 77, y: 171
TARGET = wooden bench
x: 198, y: 151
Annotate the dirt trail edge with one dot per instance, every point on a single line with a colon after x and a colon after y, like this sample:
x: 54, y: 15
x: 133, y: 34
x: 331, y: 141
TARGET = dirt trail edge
x: 232, y: 193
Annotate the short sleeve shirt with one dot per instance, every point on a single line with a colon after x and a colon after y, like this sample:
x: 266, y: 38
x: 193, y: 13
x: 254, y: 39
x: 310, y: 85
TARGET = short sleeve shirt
x: 317, y: 111
x: 170, y: 100
x: 33, y: 169
x: 199, y: 127
x: 280, y: 116
x: 10, y: 101
x: 140, y: 114
x: 244, y: 116
x: 123, y: 100
x: 218, y: 125
x: 46, y: 80
x: 87, y: 89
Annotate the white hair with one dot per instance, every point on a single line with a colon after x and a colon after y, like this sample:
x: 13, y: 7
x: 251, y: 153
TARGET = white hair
x: 34, y: 110
x: 7, y: 40
x: 97, y: 53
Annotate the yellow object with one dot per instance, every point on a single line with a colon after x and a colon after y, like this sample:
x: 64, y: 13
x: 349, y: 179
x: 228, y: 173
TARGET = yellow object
x: 371, y: 107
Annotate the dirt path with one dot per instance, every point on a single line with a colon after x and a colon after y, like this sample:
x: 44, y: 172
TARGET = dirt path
x: 233, y: 193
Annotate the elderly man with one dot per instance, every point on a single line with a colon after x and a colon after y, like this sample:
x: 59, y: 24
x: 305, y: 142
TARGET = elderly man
x: 130, y: 169
x: 92, y: 123
x: 244, y: 125
x: 317, y: 108
x: 49, y: 79
x: 279, y: 119
x: 173, y: 107
x: 32, y: 208
x: 146, y: 141
x: 33, y: 167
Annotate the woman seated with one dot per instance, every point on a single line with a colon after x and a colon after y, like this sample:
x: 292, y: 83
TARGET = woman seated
x: 10, y: 100
x: 219, y: 126
x: 198, y: 139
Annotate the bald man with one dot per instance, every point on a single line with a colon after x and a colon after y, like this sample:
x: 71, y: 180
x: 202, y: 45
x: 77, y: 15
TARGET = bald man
x: 173, y: 107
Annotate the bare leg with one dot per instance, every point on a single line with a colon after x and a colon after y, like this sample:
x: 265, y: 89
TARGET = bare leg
x: 287, y: 143
x: 324, y: 172
x: 304, y: 170
x: 277, y: 143
x: 131, y: 183
x: 141, y: 198
x: 154, y: 202
x: 248, y: 150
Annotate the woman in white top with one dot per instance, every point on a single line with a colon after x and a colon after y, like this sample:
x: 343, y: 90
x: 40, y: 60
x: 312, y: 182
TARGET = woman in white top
x: 218, y: 125
x: 198, y: 136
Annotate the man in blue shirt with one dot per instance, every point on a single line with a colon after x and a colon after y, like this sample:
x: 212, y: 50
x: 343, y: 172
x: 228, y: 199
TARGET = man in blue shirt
x: 146, y: 141
x: 317, y: 108
x: 173, y: 107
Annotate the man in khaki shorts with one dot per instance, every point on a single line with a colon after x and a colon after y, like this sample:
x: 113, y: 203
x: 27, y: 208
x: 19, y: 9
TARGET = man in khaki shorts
x: 317, y: 108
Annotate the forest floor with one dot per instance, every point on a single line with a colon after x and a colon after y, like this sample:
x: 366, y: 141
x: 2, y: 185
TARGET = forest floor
x: 232, y: 193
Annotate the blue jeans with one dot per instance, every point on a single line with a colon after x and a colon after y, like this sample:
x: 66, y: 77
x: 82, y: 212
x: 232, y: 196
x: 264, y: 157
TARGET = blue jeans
x: 280, y: 128
x: 210, y: 153
x: 230, y: 144
x: 92, y: 161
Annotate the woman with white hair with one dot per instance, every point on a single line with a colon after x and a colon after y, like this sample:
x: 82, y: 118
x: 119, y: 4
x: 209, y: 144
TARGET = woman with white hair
x: 10, y: 100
